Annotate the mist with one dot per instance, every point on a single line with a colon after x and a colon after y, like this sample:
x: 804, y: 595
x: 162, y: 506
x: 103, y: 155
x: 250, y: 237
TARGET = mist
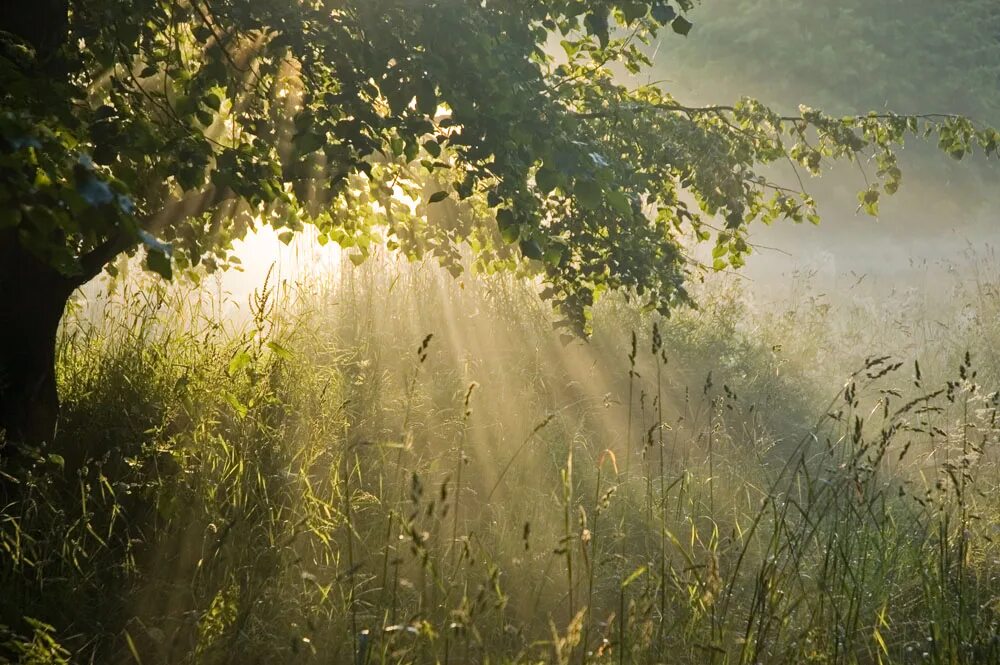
x: 419, y: 457
x: 785, y: 54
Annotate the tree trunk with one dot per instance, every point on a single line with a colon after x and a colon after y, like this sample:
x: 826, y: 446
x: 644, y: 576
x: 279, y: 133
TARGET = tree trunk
x: 41, y: 23
x: 33, y: 297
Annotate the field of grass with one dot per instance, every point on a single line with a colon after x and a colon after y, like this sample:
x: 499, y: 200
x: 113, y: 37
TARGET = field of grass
x: 392, y: 466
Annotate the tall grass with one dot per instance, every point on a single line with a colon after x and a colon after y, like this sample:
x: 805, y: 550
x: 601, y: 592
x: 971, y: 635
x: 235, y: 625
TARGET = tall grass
x: 394, y: 467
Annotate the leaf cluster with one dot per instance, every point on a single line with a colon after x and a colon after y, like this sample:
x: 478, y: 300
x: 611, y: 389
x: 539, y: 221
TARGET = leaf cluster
x: 503, y: 127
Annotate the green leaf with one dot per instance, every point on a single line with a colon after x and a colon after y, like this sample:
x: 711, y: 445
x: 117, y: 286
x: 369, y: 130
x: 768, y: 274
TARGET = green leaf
x: 399, y: 96
x: 426, y: 98
x: 869, y: 201
x: 663, y: 13
x: 531, y: 249
x: 160, y: 263
x: 597, y: 25
x: 411, y: 150
x: 554, y: 254
x: 213, y: 101
x: 546, y: 179
x: 280, y: 351
x: 681, y: 26
x: 509, y: 230
x: 438, y: 196
x: 619, y: 202
x: 286, y: 236
x: 238, y: 407
x: 734, y: 219
x: 633, y: 11
x: 433, y: 148
x: 356, y: 259
x: 308, y: 142
x: 588, y: 194
x: 239, y: 361
x: 204, y: 117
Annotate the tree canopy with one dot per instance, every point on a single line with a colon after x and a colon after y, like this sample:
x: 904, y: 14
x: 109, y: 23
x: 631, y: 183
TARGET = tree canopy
x: 513, y: 128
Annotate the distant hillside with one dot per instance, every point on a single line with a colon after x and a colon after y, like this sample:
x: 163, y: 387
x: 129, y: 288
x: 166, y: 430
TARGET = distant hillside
x: 847, y: 55
x: 853, y: 56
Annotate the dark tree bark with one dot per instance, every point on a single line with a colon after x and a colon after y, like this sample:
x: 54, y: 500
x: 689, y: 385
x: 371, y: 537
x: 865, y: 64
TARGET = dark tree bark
x: 41, y: 23
x: 33, y: 297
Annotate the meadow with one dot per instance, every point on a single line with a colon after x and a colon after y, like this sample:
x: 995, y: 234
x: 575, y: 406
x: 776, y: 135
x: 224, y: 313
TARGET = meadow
x: 389, y: 465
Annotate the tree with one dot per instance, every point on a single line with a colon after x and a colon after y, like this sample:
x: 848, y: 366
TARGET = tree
x: 175, y: 126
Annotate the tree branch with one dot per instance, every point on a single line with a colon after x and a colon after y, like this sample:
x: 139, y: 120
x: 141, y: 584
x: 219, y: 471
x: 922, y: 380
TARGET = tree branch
x: 93, y: 262
x: 692, y: 111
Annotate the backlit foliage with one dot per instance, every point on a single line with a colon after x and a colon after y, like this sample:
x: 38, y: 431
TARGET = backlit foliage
x: 509, y: 127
